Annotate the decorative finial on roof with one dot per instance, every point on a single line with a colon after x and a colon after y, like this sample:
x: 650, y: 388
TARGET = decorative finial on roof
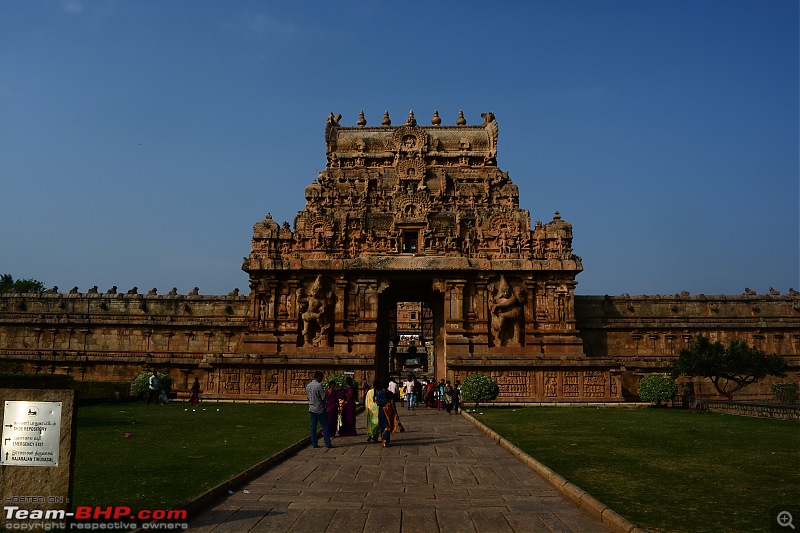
x: 386, y: 121
x: 461, y: 121
x: 557, y: 216
x: 361, y: 120
x: 411, y: 121
x: 436, y: 120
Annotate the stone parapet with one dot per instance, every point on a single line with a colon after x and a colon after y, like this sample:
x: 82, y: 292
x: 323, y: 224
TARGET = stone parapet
x: 758, y: 410
x: 650, y: 331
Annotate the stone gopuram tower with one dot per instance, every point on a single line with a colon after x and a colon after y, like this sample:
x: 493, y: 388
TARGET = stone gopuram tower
x: 423, y: 214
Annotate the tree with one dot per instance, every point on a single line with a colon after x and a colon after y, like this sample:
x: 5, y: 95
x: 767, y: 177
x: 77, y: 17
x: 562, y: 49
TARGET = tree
x: 657, y: 388
x: 479, y: 388
x: 8, y: 284
x: 729, y: 369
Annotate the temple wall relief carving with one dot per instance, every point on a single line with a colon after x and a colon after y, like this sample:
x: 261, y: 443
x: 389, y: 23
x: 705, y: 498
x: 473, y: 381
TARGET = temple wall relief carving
x: 506, y: 311
x: 315, y: 311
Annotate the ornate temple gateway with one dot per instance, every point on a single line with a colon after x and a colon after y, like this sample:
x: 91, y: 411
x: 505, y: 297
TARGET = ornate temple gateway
x: 417, y: 217
x: 412, y: 254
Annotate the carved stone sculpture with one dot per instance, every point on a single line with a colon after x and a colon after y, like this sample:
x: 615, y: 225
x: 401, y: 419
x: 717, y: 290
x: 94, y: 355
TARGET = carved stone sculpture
x: 313, y: 309
x: 505, y: 306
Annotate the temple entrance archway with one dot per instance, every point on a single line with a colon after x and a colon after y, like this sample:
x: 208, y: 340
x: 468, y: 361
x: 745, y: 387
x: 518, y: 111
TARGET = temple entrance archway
x: 410, y: 335
x: 412, y: 218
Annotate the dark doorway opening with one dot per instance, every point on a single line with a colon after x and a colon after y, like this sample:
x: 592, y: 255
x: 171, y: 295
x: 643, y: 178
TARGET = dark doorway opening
x: 410, y: 322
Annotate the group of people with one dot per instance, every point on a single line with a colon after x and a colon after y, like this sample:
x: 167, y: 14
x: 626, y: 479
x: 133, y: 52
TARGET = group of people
x: 381, y: 410
x: 156, y: 392
x: 441, y: 395
x: 335, y: 409
x: 340, y: 407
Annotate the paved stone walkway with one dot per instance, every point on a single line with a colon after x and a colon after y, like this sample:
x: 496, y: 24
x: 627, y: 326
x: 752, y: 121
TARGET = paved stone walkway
x: 442, y: 474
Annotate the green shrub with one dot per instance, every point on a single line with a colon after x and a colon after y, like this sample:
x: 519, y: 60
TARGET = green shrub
x: 142, y: 382
x: 479, y: 388
x: 657, y: 388
x: 340, y: 380
x: 785, y: 392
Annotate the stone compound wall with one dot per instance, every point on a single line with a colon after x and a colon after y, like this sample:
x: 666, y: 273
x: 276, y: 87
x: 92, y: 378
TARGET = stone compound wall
x: 645, y: 333
x: 757, y: 410
x: 113, y: 337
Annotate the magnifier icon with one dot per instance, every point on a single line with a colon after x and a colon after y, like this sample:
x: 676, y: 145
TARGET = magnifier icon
x: 785, y: 519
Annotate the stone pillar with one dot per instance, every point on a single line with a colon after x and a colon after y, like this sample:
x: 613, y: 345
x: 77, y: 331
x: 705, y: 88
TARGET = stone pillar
x: 480, y: 328
x: 455, y: 331
x: 530, y: 311
x: 340, y: 291
x: 340, y: 340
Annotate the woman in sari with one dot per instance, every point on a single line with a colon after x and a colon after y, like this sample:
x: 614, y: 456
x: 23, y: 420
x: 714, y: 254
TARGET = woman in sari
x: 448, y: 398
x: 372, y: 413
x: 429, y: 397
x: 332, y: 407
x: 386, y: 415
x: 195, y: 399
x: 349, y: 397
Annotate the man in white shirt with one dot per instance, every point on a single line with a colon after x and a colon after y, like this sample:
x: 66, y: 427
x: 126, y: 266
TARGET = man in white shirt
x: 154, y: 388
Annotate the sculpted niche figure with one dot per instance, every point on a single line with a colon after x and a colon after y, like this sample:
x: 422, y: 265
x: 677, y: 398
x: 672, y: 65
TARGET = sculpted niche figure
x: 505, y: 307
x: 313, y: 309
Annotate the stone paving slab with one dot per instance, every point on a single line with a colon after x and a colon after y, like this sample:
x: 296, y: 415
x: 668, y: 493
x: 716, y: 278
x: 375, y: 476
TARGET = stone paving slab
x: 442, y: 475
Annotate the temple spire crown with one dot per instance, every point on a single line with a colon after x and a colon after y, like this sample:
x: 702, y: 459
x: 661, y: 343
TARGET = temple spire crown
x: 411, y: 121
x: 461, y: 121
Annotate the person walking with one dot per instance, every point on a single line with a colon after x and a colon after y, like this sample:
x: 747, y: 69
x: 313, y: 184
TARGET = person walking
x: 430, y: 396
x: 457, y: 396
x: 332, y: 407
x: 350, y: 396
x: 316, y: 411
x: 448, y: 398
x: 386, y: 414
x: 195, y: 399
x: 409, y: 386
x: 153, y: 389
x: 372, y: 409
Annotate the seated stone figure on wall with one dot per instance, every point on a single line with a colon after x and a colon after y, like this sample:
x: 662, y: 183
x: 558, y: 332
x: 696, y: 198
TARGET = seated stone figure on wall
x: 506, y: 308
x: 314, y: 310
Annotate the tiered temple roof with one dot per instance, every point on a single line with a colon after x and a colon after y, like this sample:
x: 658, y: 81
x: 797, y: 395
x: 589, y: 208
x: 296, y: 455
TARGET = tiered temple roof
x: 434, y: 193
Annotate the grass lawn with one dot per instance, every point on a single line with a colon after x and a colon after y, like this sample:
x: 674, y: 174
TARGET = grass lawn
x: 174, y: 452
x: 665, y: 469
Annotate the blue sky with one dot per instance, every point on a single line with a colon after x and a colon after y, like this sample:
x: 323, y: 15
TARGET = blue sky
x: 141, y: 140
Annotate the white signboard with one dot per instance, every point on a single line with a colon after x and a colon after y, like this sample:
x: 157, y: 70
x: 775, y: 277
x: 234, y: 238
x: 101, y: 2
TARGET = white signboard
x: 31, y: 434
